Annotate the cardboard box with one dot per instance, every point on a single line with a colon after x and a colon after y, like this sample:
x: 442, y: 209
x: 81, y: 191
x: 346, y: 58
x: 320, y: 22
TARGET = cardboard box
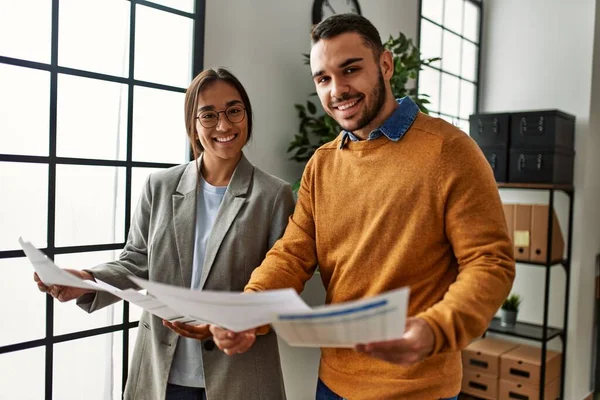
x: 484, y: 355
x: 481, y: 385
x: 508, y: 390
x: 523, y: 365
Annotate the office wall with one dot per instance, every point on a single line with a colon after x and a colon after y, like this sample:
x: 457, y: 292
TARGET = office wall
x: 539, y: 54
x: 262, y: 42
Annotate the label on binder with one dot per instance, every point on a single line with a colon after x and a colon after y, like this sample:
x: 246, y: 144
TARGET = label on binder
x: 521, y: 239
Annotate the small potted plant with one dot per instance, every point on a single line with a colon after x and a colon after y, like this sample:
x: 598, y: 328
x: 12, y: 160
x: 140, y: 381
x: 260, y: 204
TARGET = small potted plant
x: 509, y: 310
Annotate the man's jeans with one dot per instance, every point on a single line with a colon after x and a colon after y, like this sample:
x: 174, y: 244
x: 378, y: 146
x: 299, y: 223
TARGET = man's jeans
x: 324, y: 393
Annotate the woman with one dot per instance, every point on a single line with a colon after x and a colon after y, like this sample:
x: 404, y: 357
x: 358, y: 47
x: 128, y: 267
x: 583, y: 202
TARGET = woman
x: 205, y: 225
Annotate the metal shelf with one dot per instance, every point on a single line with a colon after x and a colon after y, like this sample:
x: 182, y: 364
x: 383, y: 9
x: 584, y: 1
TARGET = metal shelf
x: 525, y: 330
x: 537, y: 186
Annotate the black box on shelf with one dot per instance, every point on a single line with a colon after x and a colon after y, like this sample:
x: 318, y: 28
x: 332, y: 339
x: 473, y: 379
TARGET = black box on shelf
x: 554, y: 166
x: 498, y: 159
x: 544, y: 129
x: 490, y: 130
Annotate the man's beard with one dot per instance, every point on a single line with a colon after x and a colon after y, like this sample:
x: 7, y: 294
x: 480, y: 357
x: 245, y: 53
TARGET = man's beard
x: 372, y: 109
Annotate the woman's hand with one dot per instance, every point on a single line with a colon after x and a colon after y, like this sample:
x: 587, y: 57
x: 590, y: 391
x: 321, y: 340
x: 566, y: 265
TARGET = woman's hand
x: 65, y: 293
x: 198, y: 332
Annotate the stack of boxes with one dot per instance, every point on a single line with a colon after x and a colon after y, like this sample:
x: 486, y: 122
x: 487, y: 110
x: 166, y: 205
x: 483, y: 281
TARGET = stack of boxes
x: 495, y: 369
x: 481, y: 367
x: 527, y: 147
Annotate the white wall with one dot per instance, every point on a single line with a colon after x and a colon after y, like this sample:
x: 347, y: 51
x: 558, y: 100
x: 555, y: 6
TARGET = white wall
x: 262, y: 42
x: 539, y: 54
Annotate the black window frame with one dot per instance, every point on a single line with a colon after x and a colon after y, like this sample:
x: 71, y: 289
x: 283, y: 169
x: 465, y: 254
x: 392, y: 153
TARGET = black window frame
x: 477, y: 81
x: 52, y: 161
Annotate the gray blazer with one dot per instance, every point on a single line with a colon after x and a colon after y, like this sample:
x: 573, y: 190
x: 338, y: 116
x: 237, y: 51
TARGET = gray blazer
x: 160, y: 245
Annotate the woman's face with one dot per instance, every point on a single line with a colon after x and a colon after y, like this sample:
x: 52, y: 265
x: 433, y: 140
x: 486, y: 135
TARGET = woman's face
x: 218, y: 105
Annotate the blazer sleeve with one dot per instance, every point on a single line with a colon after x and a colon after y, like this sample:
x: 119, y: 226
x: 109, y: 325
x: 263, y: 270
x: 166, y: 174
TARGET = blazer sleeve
x: 283, y: 208
x: 133, y: 260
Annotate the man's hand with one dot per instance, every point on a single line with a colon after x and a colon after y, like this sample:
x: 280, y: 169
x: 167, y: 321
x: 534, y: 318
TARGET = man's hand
x: 415, y: 345
x: 198, y: 332
x: 65, y: 293
x: 233, y: 342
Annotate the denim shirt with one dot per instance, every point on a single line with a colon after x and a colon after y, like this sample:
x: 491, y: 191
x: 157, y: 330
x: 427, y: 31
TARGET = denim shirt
x: 394, y: 127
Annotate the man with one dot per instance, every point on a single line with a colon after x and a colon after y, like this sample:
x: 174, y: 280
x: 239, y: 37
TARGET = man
x: 398, y: 199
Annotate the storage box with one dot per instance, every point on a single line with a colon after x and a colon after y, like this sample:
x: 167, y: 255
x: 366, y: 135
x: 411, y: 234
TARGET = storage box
x: 498, y: 159
x: 508, y: 390
x: 540, y: 166
x: 523, y: 365
x: 490, y: 130
x: 481, y: 385
x: 545, y: 129
x: 484, y: 355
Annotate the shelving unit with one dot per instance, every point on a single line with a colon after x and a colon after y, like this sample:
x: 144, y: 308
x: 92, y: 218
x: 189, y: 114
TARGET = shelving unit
x: 544, y: 333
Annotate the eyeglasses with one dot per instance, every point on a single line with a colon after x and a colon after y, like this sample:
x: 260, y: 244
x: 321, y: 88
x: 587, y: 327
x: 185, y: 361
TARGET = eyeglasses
x: 210, y: 119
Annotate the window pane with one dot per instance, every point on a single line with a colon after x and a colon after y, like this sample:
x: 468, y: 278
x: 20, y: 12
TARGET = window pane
x: 471, y: 23
x: 94, y: 35
x: 183, y: 5
x: 20, y: 289
x: 453, y: 15
x: 70, y: 318
x: 449, y: 96
x: 23, y: 204
x: 158, y: 126
x: 96, y: 127
x: 469, y: 61
x: 163, y: 55
x: 467, y: 99
x: 24, y: 96
x: 429, y: 83
x: 132, y: 338
x: 451, y: 55
x: 23, y: 376
x: 463, y: 124
x: 25, y: 28
x: 90, y: 204
x: 138, y: 179
x: 431, y: 41
x: 432, y: 9
x: 100, y: 378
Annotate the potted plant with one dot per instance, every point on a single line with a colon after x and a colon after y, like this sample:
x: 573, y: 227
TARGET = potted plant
x: 317, y: 128
x: 509, y: 310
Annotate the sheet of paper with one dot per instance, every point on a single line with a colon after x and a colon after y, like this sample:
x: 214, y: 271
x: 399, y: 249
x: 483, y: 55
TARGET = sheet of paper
x: 367, y: 320
x: 51, y: 274
x: 233, y: 311
x: 148, y: 303
x: 48, y: 272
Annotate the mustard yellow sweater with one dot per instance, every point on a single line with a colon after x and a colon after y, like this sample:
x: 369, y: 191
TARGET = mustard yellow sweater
x: 377, y: 215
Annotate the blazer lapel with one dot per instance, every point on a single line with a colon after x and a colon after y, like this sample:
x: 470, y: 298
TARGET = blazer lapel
x: 184, y: 220
x: 233, y: 200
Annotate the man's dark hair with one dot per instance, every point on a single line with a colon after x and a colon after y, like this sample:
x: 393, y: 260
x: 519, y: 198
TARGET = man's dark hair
x: 345, y: 23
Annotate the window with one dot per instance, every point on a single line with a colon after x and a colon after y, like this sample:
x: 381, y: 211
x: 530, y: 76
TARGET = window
x: 451, y: 29
x: 91, y: 102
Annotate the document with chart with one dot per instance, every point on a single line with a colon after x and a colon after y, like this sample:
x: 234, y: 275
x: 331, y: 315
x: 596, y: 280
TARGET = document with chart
x: 367, y: 320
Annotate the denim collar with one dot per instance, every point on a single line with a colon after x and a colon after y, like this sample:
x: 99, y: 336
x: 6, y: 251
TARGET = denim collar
x: 394, y: 127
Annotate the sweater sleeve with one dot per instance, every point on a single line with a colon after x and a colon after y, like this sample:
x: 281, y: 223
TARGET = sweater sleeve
x: 476, y: 229
x: 293, y: 259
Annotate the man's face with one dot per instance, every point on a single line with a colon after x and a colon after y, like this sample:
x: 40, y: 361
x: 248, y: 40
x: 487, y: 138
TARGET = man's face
x: 349, y: 81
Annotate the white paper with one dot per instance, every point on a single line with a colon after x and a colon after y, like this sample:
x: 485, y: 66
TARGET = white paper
x: 51, y: 274
x: 234, y: 311
x: 373, y: 319
x: 48, y: 272
x: 367, y: 320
